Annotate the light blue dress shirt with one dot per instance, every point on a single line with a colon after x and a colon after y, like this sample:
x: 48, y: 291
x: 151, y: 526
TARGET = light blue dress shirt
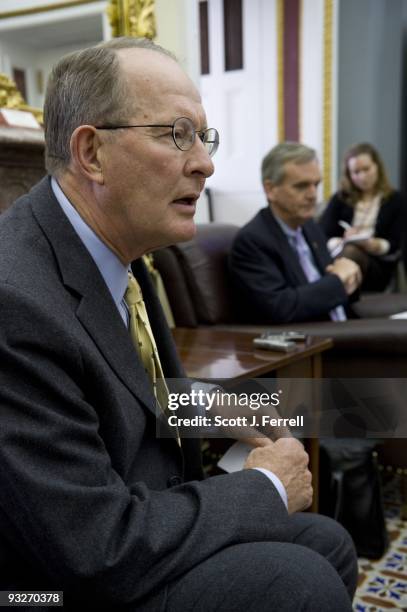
x: 115, y: 275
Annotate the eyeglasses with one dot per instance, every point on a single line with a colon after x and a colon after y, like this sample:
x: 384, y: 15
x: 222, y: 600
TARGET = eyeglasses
x: 183, y: 134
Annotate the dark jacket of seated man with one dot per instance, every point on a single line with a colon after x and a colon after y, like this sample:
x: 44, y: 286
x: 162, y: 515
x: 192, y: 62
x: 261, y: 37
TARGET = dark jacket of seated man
x: 280, y: 267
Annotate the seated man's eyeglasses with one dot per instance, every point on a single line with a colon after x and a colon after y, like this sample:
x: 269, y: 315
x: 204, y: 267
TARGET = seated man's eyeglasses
x: 183, y: 134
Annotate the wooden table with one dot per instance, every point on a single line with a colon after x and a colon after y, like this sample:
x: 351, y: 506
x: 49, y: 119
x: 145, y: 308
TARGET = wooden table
x: 208, y: 353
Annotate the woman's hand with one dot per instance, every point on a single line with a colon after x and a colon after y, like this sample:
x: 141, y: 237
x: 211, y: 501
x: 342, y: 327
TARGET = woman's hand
x: 370, y: 245
x: 352, y: 231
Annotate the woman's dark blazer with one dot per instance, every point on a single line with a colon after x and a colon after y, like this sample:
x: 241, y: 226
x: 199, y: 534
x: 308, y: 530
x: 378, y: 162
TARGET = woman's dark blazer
x: 389, y: 222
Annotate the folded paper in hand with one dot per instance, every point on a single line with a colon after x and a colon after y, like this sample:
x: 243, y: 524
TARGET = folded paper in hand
x: 399, y: 315
x: 235, y: 457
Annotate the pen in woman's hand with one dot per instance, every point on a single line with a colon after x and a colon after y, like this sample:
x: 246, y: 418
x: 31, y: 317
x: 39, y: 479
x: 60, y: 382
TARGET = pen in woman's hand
x: 344, y: 224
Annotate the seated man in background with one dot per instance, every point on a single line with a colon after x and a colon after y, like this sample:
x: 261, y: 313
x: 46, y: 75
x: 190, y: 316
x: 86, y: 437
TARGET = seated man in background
x: 280, y: 266
x: 92, y: 501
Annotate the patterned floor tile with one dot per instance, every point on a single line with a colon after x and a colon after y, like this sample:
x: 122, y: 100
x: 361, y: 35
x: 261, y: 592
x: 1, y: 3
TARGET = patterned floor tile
x: 382, y: 585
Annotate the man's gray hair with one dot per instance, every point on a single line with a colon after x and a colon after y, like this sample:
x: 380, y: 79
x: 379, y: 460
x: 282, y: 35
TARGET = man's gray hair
x: 272, y: 167
x: 87, y: 87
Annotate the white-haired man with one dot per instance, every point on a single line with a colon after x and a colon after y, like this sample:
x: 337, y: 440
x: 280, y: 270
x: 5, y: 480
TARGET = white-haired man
x: 94, y: 503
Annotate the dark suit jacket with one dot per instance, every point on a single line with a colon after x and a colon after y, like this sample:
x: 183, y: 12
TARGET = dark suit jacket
x: 389, y: 223
x: 92, y: 502
x: 269, y: 282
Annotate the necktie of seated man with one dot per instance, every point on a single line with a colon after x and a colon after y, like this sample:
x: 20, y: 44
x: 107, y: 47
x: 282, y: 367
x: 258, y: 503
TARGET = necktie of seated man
x: 312, y: 273
x: 143, y: 339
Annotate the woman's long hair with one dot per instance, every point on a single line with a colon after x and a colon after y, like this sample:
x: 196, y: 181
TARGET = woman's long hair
x: 350, y: 192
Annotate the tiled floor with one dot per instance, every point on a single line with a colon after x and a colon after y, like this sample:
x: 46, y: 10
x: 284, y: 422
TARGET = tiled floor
x: 383, y: 583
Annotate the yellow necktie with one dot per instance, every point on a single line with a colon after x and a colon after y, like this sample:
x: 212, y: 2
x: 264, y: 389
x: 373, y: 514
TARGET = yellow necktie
x: 160, y: 289
x: 143, y: 339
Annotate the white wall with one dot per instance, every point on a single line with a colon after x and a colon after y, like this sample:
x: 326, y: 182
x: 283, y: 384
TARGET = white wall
x: 178, y: 30
x: 242, y: 105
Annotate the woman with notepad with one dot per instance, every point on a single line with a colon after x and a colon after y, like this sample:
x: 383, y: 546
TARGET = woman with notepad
x: 364, y: 219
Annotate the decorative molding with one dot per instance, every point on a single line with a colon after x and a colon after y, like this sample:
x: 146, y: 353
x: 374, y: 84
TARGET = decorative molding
x: 132, y: 18
x: 44, y: 8
x: 327, y: 100
x: 10, y: 97
x: 280, y: 69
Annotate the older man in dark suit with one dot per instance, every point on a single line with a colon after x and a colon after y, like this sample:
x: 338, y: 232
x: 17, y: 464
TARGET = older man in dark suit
x: 92, y: 501
x: 281, y: 268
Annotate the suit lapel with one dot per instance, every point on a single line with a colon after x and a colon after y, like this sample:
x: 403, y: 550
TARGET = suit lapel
x: 96, y: 309
x: 115, y: 344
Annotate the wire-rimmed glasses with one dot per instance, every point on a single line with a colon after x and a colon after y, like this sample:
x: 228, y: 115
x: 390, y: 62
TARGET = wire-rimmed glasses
x: 183, y: 133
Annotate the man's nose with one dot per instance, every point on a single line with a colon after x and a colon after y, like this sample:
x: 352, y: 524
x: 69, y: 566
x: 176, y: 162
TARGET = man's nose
x: 199, y: 160
x: 312, y: 192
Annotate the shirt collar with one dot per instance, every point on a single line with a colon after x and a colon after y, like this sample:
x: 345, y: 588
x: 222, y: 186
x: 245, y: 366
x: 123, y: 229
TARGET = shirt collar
x: 111, y: 268
x: 288, y: 231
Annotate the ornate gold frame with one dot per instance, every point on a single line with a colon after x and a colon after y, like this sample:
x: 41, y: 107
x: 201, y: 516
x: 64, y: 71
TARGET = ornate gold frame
x: 10, y: 97
x: 132, y: 18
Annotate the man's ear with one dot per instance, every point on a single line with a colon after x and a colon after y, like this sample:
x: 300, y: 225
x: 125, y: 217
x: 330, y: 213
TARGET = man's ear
x: 269, y: 188
x: 84, y: 145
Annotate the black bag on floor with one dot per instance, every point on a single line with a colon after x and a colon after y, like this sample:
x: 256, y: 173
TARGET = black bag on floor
x: 350, y: 491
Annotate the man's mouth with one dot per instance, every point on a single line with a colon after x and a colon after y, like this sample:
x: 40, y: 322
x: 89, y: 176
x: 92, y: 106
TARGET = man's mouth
x: 187, y: 200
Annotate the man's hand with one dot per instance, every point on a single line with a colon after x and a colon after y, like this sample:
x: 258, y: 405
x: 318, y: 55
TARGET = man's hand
x: 348, y: 272
x: 288, y: 460
x: 256, y: 441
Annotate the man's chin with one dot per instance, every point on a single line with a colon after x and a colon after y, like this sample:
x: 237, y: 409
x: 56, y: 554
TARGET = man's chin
x: 187, y: 232
x: 182, y: 233
x: 308, y: 215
